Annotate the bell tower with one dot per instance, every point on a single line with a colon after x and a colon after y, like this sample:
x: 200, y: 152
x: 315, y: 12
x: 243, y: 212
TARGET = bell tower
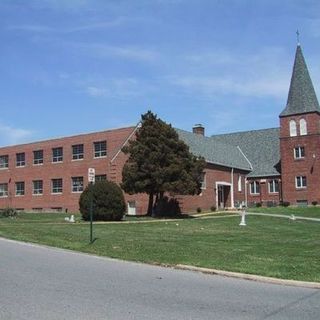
x: 300, y: 138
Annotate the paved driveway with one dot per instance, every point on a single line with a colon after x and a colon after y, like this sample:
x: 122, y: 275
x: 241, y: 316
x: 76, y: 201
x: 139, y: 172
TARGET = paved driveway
x: 43, y: 283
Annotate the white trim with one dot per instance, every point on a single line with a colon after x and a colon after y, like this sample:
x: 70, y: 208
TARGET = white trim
x: 251, y: 167
x: 130, y: 136
x: 223, y: 183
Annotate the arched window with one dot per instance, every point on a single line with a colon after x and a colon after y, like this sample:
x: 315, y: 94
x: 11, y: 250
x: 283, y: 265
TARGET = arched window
x: 303, y: 127
x: 293, y: 128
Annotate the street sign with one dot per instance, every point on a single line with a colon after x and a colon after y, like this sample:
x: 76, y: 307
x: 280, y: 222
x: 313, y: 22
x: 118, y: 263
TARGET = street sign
x: 91, y: 175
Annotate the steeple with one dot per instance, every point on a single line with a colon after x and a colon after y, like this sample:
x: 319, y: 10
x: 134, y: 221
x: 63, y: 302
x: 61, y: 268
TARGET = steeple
x: 302, y: 97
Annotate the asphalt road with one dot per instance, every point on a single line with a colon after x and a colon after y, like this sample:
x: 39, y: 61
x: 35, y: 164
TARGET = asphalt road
x: 43, y: 283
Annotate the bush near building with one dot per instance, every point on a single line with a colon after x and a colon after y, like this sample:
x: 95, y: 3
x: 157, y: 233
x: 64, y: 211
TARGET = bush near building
x: 108, y: 202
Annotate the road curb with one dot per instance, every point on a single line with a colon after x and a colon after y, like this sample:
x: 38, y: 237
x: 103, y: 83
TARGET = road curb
x: 252, y: 277
x: 244, y: 276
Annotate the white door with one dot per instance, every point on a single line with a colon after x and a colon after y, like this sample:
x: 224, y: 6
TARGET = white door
x: 131, y: 208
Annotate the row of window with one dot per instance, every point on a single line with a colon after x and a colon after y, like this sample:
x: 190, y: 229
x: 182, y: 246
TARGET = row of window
x: 56, y: 186
x: 293, y: 127
x: 273, y: 185
x: 100, y: 150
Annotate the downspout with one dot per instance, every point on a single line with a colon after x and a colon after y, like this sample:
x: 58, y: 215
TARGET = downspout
x: 232, y: 189
x: 245, y: 191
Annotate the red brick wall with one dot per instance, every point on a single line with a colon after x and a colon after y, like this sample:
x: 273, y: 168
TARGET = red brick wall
x: 309, y: 166
x: 264, y: 197
x: 65, y: 170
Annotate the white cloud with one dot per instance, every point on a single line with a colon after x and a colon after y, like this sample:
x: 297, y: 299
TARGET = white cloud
x: 10, y: 135
x: 260, y: 74
x: 126, y: 52
x: 63, y: 30
x: 119, y: 88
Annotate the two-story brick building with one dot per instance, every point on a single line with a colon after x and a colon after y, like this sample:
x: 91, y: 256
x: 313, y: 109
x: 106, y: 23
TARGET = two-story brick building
x: 260, y: 166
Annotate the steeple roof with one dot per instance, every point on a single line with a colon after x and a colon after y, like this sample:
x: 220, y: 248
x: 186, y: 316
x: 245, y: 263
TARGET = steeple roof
x: 302, y: 97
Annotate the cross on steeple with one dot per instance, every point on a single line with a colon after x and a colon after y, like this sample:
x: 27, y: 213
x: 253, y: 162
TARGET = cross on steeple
x: 298, y: 37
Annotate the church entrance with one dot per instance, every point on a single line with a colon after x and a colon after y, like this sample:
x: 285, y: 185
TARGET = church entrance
x: 223, y: 195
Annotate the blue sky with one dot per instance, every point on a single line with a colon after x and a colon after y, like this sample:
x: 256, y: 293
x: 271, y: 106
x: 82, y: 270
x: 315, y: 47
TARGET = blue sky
x: 76, y: 66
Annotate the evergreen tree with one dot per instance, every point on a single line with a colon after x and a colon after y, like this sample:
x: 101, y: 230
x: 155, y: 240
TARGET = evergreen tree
x: 159, y: 162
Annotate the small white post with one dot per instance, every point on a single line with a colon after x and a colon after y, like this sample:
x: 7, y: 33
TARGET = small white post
x: 243, y: 215
x: 72, y: 219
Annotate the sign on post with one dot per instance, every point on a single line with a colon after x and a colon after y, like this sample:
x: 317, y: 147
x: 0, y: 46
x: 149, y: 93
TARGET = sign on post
x: 91, y: 179
x: 91, y: 175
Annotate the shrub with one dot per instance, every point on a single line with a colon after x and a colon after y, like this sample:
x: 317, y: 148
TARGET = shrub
x: 285, y: 203
x: 213, y: 208
x: 8, y: 212
x: 107, y: 201
x: 314, y: 203
x: 199, y: 210
x: 258, y: 204
x: 167, y: 208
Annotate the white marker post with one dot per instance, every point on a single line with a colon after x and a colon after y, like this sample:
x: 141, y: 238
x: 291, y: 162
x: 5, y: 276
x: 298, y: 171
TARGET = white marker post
x: 243, y: 215
x: 91, y: 180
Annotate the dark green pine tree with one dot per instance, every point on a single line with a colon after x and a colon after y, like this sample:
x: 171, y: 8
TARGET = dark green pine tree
x: 159, y: 162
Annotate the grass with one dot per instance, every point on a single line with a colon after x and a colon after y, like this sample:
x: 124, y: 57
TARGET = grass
x: 311, y: 212
x: 267, y: 246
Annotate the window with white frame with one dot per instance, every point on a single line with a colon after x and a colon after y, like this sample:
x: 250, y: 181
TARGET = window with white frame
x: 77, y: 184
x: 4, y: 162
x: 77, y: 152
x: 100, y: 149
x: 101, y: 177
x: 20, y: 188
x: 203, y: 180
x: 301, y: 182
x: 20, y: 159
x: 303, y: 127
x: 293, y: 128
x: 239, y: 183
x: 37, y: 187
x: 56, y: 185
x: 38, y: 157
x: 254, y: 187
x: 3, y: 189
x: 57, y: 154
x: 299, y: 152
x: 274, y: 186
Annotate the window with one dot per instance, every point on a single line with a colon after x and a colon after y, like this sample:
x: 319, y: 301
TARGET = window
x: 100, y: 149
x: 203, y: 180
x: 299, y: 152
x: 3, y: 189
x: 273, y: 186
x: 301, y: 182
x: 303, y: 127
x: 101, y: 177
x: 57, y: 154
x: 254, y: 187
x: 20, y: 188
x: 77, y: 184
x: 56, y: 185
x: 77, y: 152
x: 20, y: 159
x: 239, y: 183
x: 293, y: 128
x: 38, y: 157
x: 4, y: 162
x: 37, y: 187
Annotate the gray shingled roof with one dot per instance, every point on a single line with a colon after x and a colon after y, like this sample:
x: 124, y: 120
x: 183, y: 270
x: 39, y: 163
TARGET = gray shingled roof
x: 213, y: 151
x: 302, y: 97
x: 261, y: 147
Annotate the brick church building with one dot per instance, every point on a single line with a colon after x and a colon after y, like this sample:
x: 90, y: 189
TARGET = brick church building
x: 265, y: 166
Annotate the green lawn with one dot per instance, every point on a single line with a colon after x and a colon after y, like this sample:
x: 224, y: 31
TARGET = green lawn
x: 311, y: 212
x: 267, y: 246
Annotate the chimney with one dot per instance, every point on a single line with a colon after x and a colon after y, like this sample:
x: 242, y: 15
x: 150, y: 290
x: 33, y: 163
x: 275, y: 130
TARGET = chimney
x: 198, y: 129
